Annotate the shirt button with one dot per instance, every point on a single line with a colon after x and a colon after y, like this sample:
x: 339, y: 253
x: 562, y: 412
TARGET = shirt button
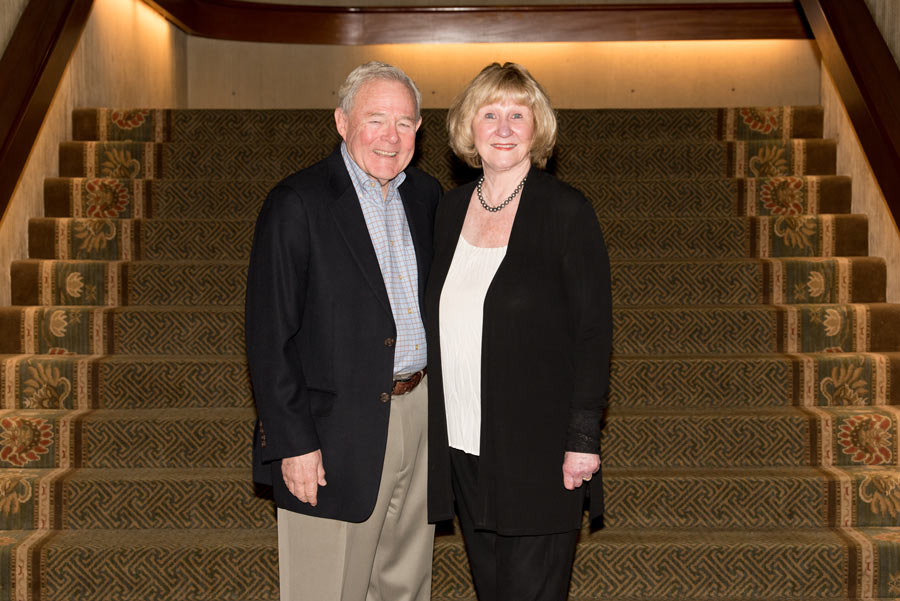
x: 388, y: 342
x: 385, y: 397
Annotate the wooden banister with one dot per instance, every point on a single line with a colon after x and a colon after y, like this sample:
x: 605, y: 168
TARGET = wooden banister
x: 868, y: 81
x: 30, y: 71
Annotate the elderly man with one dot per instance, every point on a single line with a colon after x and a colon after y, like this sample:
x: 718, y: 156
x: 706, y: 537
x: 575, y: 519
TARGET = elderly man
x: 337, y: 354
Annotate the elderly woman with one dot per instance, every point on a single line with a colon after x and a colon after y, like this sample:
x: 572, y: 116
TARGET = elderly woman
x: 520, y: 329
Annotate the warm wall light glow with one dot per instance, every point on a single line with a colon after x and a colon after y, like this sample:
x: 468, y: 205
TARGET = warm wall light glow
x: 576, y: 75
x: 648, y: 74
x: 128, y: 40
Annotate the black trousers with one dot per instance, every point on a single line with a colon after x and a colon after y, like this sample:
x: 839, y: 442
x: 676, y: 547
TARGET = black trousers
x: 509, y: 568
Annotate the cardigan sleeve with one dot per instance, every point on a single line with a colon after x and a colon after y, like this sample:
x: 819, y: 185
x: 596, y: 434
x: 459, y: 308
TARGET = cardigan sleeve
x: 586, y: 275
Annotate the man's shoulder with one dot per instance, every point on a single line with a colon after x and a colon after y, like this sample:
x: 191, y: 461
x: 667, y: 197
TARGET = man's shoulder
x: 423, y: 183
x: 311, y: 181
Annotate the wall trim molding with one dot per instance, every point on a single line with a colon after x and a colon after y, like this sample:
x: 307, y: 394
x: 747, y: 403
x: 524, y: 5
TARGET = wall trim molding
x: 257, y: 22
x: 867, y: 80
x: 30, y: 71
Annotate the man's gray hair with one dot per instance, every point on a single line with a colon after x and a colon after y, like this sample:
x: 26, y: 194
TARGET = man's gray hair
x: 371, y: 71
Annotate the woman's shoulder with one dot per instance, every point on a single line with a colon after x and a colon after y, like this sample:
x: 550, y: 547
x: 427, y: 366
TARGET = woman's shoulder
x: 564, y: 196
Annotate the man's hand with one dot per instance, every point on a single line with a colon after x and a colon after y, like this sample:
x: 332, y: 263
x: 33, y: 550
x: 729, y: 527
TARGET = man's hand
x: 578, y: 468
x: 303, y: 475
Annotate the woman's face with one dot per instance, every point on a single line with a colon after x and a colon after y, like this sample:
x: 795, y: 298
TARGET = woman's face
x: 503, y: 133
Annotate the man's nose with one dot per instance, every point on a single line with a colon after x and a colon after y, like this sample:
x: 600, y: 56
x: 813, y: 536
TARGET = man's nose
x: 392, y: 134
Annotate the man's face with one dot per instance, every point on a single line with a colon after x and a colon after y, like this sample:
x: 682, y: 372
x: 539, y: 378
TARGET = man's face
x: 380, y: 130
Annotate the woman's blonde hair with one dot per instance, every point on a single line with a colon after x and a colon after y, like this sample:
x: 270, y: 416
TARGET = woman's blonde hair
x: 494, y: 83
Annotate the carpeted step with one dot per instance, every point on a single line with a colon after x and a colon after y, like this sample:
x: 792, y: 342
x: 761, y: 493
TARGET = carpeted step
x: 676, y: 382
x: 797, y: 564
x: 760, y: 329
x: 140, y: 239
x: 632, y: 159
x: 751, y: 438
x: 651, y: 331
x: 685, y: 282
x: 132, y: 499
x: 125, y: 331
x: 208, y: 283
x: 163, y: 565
x: 234, y: 199
x: 124, y: 382
x: 736, y: 237
x: 747, y: 499
x: 289, y: 126
x: 662, y: 331
x: 681, y: 564
x: 747, y: 281
x: 132, y: 438
x: 716, y: 197
x: 638, y: 499
x: 653, y: 238
x: 754, y: 381
x: 220, y: 437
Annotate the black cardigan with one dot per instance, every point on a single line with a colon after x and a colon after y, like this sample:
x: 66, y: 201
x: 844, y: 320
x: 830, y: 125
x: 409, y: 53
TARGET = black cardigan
x: 547, y: 337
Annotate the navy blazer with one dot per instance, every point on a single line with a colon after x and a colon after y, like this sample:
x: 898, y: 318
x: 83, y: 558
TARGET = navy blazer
x: 320, y: 333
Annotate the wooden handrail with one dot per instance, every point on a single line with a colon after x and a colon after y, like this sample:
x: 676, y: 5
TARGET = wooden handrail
x: 258, y: 22
x: 868, y: 81
x: 30, y: 71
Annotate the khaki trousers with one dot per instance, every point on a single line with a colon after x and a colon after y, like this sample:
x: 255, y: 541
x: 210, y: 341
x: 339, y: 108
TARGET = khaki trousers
x: 388, y: 556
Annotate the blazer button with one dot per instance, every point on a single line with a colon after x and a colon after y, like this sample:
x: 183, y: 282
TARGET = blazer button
x: 388, y: 342
x: 385, y: 397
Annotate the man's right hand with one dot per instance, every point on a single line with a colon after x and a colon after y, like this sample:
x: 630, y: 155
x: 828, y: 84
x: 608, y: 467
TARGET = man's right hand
x: 303, y: 475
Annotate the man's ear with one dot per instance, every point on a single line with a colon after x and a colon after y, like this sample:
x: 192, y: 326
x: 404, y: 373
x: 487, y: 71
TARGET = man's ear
x: 419, y: 124
x: 340, y: 120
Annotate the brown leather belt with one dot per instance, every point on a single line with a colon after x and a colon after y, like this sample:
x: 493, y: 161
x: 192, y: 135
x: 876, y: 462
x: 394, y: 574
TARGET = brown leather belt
x: 406, y: 385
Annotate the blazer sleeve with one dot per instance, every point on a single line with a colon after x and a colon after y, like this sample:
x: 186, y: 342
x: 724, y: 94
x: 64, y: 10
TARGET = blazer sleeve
x: 586, y: 274
x: 276, y: 295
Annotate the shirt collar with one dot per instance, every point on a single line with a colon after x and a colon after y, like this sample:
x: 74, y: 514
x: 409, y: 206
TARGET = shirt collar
x: 362, y: 181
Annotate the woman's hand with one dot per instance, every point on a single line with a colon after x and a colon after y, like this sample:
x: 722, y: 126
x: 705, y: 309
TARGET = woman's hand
x: 578, y: 468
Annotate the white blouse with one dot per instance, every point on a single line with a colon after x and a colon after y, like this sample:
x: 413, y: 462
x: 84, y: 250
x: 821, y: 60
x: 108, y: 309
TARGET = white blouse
x: 461, y: 316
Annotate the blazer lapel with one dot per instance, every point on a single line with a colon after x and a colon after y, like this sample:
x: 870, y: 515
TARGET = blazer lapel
x: 418, y: 222
x: 352, y: 225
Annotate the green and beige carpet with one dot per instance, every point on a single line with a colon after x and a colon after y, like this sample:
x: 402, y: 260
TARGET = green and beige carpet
x: 751, y: 448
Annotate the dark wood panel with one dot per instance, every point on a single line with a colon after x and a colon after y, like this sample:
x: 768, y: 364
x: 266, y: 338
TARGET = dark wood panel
x: 245, y: 21
x: 30, y: 71
x: 868, y: 82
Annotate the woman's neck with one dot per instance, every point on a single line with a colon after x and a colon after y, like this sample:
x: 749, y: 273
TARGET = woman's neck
x: 498, y: 185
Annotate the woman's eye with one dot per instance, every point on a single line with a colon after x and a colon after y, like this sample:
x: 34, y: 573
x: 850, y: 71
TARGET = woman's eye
x: 489, y: 115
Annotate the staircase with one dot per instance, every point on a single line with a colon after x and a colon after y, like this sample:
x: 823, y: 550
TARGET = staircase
x: 752, y: 441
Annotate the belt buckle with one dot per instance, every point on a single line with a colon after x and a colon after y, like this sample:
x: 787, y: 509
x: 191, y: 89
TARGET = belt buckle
x: 407, y: 385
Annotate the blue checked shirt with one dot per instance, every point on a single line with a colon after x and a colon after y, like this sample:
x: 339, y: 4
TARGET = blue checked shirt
x: 389, y: 231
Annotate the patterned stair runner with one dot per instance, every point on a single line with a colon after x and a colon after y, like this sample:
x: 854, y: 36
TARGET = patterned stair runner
x: 751, y: 446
